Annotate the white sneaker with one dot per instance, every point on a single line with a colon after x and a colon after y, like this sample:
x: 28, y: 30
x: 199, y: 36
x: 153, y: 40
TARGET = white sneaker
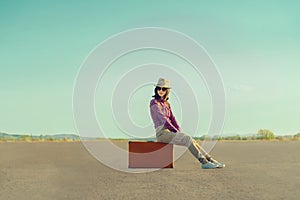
x: 220, y: 165
x: 209, y: 165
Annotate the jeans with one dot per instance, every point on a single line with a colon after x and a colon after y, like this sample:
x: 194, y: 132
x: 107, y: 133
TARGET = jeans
x: 179, y: 138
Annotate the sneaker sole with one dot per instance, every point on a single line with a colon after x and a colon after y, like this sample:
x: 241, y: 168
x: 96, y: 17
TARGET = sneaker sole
x: 221, y: 166
x: 209, y: 167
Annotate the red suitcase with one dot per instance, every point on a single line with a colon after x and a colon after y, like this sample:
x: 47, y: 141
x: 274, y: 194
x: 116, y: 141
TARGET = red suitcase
x: 150, y: 155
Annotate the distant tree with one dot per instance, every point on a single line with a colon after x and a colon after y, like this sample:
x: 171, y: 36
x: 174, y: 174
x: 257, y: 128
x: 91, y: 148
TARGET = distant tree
x: 245, y: 138
x: 280, y: 138
x: 297, y: 135
x: 25, y: 137
x: 237, y: 137
x: 232, y: 137
x: 204, y: 137
x: 265, y: 134
x: 216, y: 137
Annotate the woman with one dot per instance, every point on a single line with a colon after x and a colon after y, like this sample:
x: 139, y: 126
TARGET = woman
x: 168, y: 130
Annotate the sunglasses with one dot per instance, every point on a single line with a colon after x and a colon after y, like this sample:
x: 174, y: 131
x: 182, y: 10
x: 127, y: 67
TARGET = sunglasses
x: 161, y: 88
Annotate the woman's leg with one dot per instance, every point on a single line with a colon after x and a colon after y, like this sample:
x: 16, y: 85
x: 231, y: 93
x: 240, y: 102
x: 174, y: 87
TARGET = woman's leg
x: 207, y: 156
x: 183, y: 139
x: 198, y: 152
x: 203, y: 152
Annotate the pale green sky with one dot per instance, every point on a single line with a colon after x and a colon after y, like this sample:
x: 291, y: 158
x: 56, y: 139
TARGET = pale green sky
x: 255, y: 44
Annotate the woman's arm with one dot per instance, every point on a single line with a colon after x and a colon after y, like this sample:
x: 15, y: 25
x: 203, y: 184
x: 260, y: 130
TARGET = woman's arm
x: 159, y: 118
x: 174, y: 121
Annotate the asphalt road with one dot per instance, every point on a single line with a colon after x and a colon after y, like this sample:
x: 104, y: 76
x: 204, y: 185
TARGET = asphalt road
x: 254, y: 170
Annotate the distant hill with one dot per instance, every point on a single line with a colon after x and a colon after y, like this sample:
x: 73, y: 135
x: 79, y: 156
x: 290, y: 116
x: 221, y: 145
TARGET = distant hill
x: 62, y: 136
x: 55, y: 137
x: 9, y: 136
x: 74, y: 137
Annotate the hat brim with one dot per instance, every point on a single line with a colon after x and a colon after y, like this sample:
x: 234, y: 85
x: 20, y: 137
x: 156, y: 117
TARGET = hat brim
x: 162, y: 86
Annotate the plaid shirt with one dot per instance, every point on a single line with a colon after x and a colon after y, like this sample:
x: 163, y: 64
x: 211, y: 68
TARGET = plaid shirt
x: 162, y: 116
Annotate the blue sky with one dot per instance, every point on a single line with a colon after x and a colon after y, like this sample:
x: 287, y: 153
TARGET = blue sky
x: 255, y: 45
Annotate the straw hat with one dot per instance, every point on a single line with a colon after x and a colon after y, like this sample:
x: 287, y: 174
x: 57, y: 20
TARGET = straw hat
x: 164, y: 83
